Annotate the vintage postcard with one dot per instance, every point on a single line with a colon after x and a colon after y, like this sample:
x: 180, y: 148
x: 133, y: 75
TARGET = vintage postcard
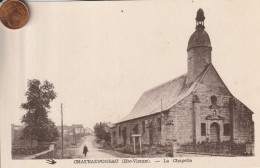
x: 131, y: 84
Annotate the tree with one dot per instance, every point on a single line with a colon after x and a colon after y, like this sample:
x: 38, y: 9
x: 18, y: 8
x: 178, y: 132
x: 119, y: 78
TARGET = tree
x: 101, y: 133
x: 37, y: 124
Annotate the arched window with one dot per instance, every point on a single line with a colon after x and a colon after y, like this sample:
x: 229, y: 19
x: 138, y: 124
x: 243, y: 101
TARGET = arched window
x: 213, y: 100
x: 227, y: 129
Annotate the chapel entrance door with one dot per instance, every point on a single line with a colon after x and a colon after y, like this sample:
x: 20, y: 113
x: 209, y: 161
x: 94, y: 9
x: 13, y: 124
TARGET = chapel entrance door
x: 214, y: 132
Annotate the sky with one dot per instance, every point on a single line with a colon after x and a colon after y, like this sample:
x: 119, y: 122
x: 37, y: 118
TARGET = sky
x: 102, y: 56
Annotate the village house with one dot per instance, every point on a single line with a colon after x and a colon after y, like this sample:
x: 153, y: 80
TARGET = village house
x: 78, y: 128
x: 67, y: 130
x: 193, y: 108
x: 16, y: 131
x: 74, y: 129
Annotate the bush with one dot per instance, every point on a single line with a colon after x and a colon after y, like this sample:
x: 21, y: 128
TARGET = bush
x: 101, y: 133
x: 126, y: 149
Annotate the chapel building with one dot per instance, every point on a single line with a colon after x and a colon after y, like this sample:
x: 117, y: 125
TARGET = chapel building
x: 191, y: 108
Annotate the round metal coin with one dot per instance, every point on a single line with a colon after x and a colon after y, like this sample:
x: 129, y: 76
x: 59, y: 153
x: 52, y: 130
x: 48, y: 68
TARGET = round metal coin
x: 14, y: 14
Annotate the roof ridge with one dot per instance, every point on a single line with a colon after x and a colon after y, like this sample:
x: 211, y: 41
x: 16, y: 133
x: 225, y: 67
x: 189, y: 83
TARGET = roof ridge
x: 162, y: 84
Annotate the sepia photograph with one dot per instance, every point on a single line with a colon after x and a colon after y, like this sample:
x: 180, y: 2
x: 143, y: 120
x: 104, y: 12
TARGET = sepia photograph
x: 131, y: 82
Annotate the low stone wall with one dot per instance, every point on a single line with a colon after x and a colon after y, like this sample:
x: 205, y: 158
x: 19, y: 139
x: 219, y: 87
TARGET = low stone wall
x: 51, y: 149
x: 51, y: 154
x: 28, y: 150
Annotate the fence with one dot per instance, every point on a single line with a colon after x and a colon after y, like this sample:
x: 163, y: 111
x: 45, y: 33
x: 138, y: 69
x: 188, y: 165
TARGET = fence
x: 221, y: 148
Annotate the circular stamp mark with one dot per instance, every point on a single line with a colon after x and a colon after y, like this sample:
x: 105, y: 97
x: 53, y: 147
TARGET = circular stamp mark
x: 14, y: 14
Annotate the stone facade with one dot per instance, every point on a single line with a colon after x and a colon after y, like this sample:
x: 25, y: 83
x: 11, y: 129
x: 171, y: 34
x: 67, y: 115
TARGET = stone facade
x: 149, y: 127
x: 243, y: 125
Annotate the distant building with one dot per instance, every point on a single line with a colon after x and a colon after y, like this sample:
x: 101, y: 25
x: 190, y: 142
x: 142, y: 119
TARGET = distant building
x: 108, y: 126
x: 74, y: 129
x: 17, y: 140
x: 16, y: 131
x: 88, y: 131
x: 17, y: 127
x: 67, y: 130
x: 78, y: 128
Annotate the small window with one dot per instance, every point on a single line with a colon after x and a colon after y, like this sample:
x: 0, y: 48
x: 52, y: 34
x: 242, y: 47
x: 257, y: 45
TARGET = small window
x: 143, y: 126
x: 227, y: 129
x: 159, y: 126
x: 203, y: 129
x: 136, y: 129
x: 119, y: 131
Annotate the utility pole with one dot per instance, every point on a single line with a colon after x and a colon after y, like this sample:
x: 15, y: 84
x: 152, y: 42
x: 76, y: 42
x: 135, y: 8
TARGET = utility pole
x: 61, y: 132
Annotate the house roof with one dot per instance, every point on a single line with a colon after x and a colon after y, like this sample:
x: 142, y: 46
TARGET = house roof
x: 77, y: 125
x: 163, y: 97
x: 66, y: 127
x: 109, y: 124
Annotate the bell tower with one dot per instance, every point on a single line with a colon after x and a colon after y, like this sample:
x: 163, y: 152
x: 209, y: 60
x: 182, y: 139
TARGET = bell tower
x: 199, y: 49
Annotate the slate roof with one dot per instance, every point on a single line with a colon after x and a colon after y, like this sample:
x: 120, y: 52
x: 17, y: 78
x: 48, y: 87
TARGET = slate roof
x: 163, y: 97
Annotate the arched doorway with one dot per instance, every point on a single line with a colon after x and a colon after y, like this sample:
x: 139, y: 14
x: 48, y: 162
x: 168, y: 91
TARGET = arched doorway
x: 214, y: 132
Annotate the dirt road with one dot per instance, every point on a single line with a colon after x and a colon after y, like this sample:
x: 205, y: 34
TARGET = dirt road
x: 94, y: 152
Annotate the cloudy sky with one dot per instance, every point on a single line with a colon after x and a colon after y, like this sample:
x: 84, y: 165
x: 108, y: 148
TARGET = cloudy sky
x: 102, y: 56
